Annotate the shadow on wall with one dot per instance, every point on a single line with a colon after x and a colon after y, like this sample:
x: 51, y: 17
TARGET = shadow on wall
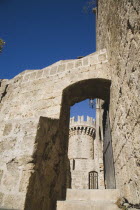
x: 51, y: 176
x: 7, y: 209
x: 48, y: 182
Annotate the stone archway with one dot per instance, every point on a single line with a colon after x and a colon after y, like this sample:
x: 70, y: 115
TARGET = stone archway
x: 39, y: 125
x: 91, y: 88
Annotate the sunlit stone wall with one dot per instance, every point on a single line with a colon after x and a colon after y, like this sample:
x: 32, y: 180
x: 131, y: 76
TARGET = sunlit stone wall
x: 81, y: 153
x: 118, y: 27
x: 28, y: 144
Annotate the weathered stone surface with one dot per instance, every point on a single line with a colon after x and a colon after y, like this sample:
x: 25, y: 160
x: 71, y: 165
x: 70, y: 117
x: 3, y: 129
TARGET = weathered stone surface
x: 90, y: 199
x: 84, y: 151
x: 1, y: 174
x: 53, y: 70
x: 70, y: 65
x: 14, y: 201
x: 61, y: 68
x: 11, y: 177
x: 82, y: 205
x: 44, y: 183
x: 1, y: 197
x: 24, y: 182
x: 7, y: 144
x: 118, y: 32
x: 80, y: 150
x: 51, y: 91
x: 7, y: 129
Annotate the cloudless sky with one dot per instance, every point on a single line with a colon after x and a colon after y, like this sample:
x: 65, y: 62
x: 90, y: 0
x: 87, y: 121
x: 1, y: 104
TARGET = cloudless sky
x: 40, y: 32
x: 82, y: 109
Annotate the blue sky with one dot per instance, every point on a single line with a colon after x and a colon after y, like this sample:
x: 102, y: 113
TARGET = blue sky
x: 40, y: 32
x: 82, y: 108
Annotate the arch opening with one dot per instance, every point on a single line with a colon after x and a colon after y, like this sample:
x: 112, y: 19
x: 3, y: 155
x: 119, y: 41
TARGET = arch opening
x: 86, y: 89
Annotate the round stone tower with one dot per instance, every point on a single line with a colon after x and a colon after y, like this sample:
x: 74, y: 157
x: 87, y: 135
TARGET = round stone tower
x: 84, y: 155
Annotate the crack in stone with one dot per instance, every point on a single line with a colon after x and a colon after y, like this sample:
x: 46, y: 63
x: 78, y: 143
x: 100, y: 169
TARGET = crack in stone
x: 4, y: 93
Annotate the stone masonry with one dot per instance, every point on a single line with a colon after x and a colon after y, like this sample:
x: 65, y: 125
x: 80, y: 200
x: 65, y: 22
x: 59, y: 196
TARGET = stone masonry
x: 83, y: 153
x: 35, y: 110
x: 29, y: 141
x: 118, y: 30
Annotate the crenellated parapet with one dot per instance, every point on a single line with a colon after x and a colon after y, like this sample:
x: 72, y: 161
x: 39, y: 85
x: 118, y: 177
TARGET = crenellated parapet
x: 81, y: 127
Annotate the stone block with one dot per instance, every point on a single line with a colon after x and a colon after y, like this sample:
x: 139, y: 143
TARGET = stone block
x: 11, y: 176
x: 24, y: 182
x: 102, y: 57
x: 10, y: 181
x: 46, y: 72
x: 85, y: 61
x: 1, y: 174
x: 1, y: 198
x: 61, y: 68
x: 82, y: 205
x: 14, y: 201
x: 33, y: 75
x: 25, y: 160
x: 78, y: 63
x: 70, y: 65
x: 93, y: 60
x: 107, y: 195
x: 39, y: 74
x: 27, y: 145
x: 7, y: 129
x: 7, y: 144
x: 26, y: 78
x: 53, y: 70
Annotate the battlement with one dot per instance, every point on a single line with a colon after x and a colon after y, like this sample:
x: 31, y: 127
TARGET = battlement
x: 82, y: 127
x: 80, y: 121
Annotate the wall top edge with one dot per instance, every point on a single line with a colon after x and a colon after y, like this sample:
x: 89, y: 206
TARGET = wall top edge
x: 90, y: 121
x: 60, y: 63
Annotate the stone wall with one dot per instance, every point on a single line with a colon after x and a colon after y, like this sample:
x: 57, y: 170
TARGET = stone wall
x: 81, y: 136
x: 44, y: 184
x: 84, y: 153
x: 81, y: 151
x: 118, y: 26
x: 24, y: 99
x: 51, y: 91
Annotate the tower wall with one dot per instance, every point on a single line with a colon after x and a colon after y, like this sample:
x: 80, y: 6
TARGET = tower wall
x: 81, y: 153
x: 84, y: 147
x: 81, y: 137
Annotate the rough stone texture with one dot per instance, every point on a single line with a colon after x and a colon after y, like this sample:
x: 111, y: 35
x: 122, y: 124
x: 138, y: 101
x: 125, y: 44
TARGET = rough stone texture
x: 81, y: 138
x: 33, y: 162
x: 118, y: 27
x: 28, y: 172
x: 44, y: 184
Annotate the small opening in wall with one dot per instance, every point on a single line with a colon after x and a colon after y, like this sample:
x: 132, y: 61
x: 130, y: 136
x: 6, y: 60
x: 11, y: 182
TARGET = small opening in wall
x: 93, y: 180
x: 100, y: 135
x: 73, y: 164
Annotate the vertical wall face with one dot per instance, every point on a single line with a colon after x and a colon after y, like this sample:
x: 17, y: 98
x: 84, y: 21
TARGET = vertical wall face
x: 83, y: 158
x: 24, y: 146
x: 81, y: 139
x: 27, y: 146
x: 98, y: 151
x: 84, y: 147
x: 44, y: 185
x: 118, y: 31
